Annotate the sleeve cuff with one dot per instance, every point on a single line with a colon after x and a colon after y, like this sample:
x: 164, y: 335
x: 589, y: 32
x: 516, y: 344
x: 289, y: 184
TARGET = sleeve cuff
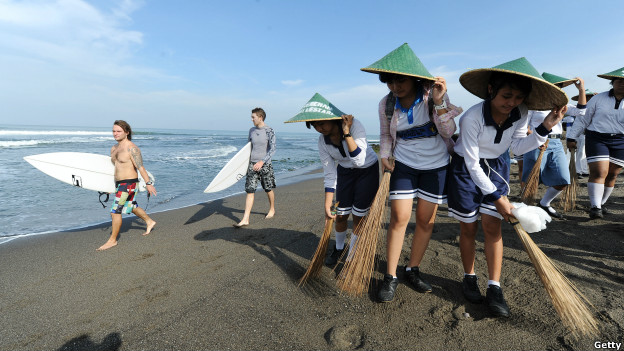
x: 492, y: 197
x: 570, y: 140
x: 330, y: 190
x: 542, y: 131
x: 581, y: 106
x: 355, y: 152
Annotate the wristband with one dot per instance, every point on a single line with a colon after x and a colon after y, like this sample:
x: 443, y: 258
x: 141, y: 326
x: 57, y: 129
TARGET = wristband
x: 149, y: 183
x: 346, y: 136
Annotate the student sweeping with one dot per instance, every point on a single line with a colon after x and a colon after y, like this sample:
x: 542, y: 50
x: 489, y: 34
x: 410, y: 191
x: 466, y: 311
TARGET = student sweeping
x: 416, y: 123
x: 479, y: 181
x: 603, y: 125
x: 350, y: 166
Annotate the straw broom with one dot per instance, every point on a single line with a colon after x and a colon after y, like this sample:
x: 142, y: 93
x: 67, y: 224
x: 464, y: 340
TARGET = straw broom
x: 316, y: 263
x: 568, y: 198
x: 569, y: 302
x: 357, y: 271
x: 530, y: 189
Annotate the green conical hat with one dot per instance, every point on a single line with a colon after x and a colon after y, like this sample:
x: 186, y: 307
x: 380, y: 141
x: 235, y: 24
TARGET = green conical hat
x: 543, y: 96
x: 403, y: 61
x: 588, y: 93
x: 317, y: 109
x: 618, y: 73
x: 555, y: 79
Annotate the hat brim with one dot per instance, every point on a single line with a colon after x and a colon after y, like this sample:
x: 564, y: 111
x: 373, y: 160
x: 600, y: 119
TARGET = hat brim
x: 609, y: 77
x: 588, y: 96
x: 565, y: 83
x: 377, y: 71
x: 543, y: 96
x: 302, y: 119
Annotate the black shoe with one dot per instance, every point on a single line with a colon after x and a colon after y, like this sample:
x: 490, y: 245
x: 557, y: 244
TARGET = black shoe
x: 605, y: 211
x: 470, y: 288
x: 595, y: 213
x: 580, y: 176
x: 413, y: 276
x: 552, y: 213
x: 496, y: 302
x: 332, y: 259
x: 387, y: 289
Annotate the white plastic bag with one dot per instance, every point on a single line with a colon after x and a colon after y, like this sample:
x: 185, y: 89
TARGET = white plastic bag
x: 532, y: 218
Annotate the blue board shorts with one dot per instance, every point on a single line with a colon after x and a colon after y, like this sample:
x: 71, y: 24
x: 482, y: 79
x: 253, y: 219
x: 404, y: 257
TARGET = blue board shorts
x: 604, y: 147
x: 124, y: 196
x: 554, y: 169
x: 356, y: 189
x: 409, y: 183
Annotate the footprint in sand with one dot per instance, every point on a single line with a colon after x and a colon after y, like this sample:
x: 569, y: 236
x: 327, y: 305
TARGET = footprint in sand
x: 347, y: 337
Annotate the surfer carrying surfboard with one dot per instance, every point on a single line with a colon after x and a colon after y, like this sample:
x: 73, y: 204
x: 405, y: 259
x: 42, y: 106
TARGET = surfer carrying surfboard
x: 262, y: 140
x: 127, y: 159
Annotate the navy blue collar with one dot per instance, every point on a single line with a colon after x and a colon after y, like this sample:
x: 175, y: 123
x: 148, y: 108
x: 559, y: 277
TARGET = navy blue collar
x: 339, y: 147
x: 514, y: 116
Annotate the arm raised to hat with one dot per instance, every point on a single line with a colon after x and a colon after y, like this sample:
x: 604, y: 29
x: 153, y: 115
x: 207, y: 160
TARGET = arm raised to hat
x: 580, y: 85
x: 555, y: 116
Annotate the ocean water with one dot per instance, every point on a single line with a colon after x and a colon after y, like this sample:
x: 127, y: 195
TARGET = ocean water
x: 182, y: 161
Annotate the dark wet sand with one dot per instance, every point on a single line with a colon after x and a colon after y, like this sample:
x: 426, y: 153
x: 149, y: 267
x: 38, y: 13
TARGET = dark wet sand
x: 197, y: 283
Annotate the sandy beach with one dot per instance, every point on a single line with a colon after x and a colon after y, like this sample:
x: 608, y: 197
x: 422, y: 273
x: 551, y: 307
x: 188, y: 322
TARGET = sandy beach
x: 197, y: 283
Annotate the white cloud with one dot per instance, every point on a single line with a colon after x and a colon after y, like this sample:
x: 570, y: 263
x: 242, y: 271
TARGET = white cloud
x: 292, y: 83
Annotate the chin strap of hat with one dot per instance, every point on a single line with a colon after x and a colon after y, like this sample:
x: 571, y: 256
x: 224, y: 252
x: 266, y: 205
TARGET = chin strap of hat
x: 105, y: 200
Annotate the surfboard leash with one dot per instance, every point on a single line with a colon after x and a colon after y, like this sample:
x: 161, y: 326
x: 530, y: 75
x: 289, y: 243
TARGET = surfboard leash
x: 100, y: 198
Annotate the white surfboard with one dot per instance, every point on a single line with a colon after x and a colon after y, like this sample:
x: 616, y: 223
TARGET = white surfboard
x: 235, y: 169
x: 84, y: 170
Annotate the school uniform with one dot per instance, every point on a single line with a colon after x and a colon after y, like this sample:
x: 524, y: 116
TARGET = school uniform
x: 603, y: 124
x: 353, y: 176
x: 479, y: 174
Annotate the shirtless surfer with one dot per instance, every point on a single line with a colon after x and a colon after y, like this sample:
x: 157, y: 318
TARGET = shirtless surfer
x: 127, y: 159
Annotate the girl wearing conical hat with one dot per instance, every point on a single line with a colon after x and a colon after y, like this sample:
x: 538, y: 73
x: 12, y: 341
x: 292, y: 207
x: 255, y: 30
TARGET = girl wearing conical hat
x: 350, y: 166
x: 416, y: 121
x: 603, y: 125
x: 582, y: 170
x: 479, y: 180
x: 554, y: 170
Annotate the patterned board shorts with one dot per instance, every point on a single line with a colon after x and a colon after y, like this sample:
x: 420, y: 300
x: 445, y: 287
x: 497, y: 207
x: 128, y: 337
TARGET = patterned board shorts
x: 124, y: 197
x: 265, y: 175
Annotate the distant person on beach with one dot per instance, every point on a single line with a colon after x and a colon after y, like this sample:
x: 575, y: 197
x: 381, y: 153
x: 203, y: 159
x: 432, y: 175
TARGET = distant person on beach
x: 126, y: 157
x: 350, y: 167
x: 262, y: 140
x: 479, y: 177
x: 603, y: 125
x: 582, y: 170
x: 554, y: 167
x: 416, y: 125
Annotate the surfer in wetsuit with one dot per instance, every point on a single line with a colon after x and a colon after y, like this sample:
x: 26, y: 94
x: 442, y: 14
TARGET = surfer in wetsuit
x: 127, y: 159
x: 262, y: 140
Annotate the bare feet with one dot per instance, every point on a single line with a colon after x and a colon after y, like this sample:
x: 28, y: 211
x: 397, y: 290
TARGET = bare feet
x: 107, y: 245
x: 241, y: 224
x: 150, y: 226
x: 270, y: 215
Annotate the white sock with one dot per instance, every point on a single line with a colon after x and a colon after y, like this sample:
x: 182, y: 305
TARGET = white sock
x: 595, y: 192
x: 351, y: 247
x: 551, y: 194
x: 607, y: 192
x: 340, y: 239
x: 493, y: 282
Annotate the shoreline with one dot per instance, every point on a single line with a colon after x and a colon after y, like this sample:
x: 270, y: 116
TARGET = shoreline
x: 198, y: 283
x: 302, y: 176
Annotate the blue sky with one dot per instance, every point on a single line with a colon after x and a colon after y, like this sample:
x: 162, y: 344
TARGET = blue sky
x: 202, y: 64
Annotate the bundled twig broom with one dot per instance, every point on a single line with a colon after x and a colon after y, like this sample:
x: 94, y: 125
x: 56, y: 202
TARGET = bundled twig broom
x: 530, y: 189
x: 571, y: 305
x: 568, y: 198
x: 357, y: 271
x: 316, y: 263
